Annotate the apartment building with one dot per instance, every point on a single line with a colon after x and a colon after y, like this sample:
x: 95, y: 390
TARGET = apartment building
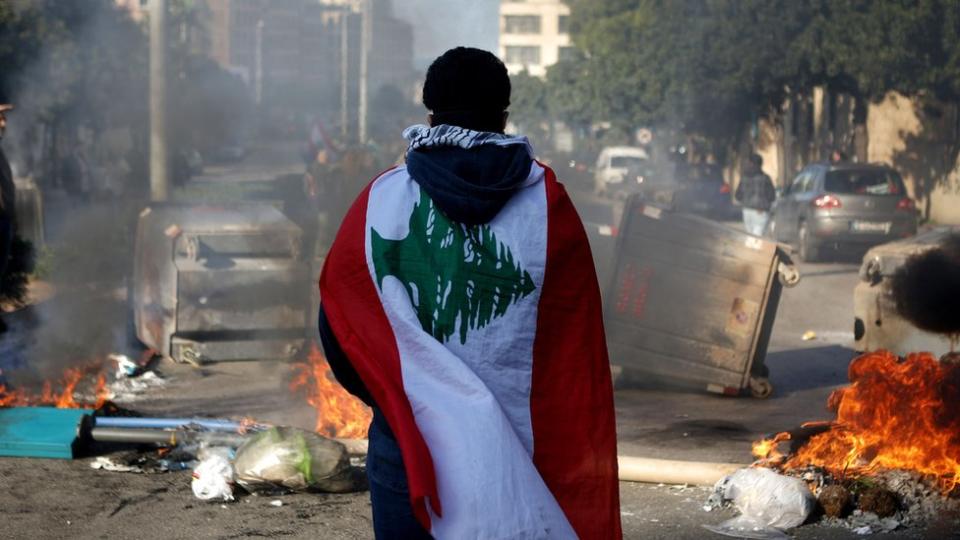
x: 534, y: 34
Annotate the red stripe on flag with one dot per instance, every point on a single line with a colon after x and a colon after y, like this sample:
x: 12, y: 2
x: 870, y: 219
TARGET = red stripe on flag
x: 356, y: 315
x: 571, y: 399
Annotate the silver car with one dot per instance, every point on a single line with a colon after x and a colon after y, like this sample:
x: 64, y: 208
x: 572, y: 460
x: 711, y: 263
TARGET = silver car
x: 842, y: 205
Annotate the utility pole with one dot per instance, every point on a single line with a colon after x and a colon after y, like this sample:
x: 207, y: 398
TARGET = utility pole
x: 365, y: 38
x: 258, y: 64
x: 159, y: 175
x: 344, y: 73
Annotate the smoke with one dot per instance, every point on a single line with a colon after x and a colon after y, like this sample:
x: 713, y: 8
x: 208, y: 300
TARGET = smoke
x: 439, y: 26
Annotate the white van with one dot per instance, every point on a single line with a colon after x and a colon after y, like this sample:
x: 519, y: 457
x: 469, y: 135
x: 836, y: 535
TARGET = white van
x: 613, y: 164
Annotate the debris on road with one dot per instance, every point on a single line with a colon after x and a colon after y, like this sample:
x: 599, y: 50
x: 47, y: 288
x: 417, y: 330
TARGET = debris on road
x: 809, y: 335
x: 287, y: 458
x: 769, y: 503
x: 835, y: 500
x: 213, y: 479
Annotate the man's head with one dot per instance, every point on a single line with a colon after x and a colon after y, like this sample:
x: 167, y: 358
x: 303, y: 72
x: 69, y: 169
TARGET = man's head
x: 468, y: 88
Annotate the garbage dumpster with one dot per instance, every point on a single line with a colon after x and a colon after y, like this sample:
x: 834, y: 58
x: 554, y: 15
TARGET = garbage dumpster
x: 219, y: 283
x: 692, y: 301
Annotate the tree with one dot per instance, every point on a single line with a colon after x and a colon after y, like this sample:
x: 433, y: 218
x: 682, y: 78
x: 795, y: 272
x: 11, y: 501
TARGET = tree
x: 528, y: 107
x: 712, y: 67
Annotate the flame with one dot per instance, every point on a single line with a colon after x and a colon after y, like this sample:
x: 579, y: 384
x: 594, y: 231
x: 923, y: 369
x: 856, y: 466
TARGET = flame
x: 64, y: 399
x: 339, y: 414
x: 768, y: 449
x: 896, y: 414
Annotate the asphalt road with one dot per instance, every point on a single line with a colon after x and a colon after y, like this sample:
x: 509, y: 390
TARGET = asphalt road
x: 67, y: 499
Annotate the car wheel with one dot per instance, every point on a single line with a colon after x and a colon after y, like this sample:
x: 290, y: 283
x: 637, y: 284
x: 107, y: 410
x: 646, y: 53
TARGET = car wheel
x: 809, y: 252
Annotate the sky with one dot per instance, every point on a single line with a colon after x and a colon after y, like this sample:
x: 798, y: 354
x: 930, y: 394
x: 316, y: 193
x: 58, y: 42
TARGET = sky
x: 439, y: 25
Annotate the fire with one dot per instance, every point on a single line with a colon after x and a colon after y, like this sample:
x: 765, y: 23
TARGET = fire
x: 339, y: 414
x: 896, y: 414
x: 768, y: 449
x: 64, y: 399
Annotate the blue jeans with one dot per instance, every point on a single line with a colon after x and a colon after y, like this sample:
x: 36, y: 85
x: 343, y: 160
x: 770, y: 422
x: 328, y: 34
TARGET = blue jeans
x: 755, y: 221
x: 389, y: 492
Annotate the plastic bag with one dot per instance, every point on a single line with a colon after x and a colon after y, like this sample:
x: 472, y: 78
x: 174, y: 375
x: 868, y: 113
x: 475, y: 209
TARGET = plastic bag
x: 213, y: 478
x: 294, y: 459
x: 769, y: 503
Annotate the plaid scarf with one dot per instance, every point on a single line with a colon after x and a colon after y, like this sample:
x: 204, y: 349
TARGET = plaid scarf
x: 421, y: 136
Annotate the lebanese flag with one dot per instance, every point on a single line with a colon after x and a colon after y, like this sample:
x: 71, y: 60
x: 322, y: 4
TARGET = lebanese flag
x: 484, y: 348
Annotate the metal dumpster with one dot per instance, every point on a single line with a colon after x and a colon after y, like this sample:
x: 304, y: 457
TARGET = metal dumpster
x: 692, y: 301
x: 219, y: 283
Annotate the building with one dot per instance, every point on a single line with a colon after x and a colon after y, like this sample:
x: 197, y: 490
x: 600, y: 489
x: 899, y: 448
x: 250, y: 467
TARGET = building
x: 308, y: 52
x: 534, y: 34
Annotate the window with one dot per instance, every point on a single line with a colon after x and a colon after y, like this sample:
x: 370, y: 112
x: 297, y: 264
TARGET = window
x: 521, y: 24
x: 516, y: 54
x: 563, y: 24
x: 802, y: 182
x: 864, y: 182
x: 566, y: 53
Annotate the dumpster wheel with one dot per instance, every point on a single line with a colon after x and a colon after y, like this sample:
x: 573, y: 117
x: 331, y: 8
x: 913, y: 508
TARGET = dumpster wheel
x: 760, y: 387
x: 788, y: 274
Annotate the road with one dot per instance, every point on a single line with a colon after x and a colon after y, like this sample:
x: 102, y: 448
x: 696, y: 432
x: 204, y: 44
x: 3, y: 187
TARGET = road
x: 67, y: 499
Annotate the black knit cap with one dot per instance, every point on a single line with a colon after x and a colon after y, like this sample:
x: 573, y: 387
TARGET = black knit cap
x: 469, y: 88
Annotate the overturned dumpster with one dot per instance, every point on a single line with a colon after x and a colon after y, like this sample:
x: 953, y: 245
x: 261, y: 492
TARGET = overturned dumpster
x: 692, y: 302
x: 219, y: 283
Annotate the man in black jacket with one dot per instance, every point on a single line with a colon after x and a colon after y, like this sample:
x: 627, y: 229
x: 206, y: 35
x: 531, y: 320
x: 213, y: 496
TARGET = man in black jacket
x: 756, y: 194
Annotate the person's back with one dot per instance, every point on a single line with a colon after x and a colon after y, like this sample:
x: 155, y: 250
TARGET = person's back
x: 460, y: 301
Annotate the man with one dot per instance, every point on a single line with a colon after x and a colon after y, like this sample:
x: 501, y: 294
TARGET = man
x: 460, y: 301
x: 756, y: 194
x: 7, y: 199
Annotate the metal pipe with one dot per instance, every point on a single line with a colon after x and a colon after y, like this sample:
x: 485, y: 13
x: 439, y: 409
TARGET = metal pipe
x: 105, y: 434
x: 215, y: 424
x: 170, y: 438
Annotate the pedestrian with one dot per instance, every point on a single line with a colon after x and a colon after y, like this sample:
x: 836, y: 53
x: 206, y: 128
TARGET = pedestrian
x: 460, y: 301
x: 7, y: 200
x: 756, y: 194
x: 837, y: 156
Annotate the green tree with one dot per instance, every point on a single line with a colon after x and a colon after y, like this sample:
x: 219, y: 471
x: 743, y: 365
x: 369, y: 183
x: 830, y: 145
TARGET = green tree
x: 712, y: 67
x: 458, y: 277
x: 528, y: 105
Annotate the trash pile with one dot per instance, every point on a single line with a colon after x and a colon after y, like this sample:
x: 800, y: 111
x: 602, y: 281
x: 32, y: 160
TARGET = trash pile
x: 890, y: 459
x: 277, y: 460
x: 226, y: 456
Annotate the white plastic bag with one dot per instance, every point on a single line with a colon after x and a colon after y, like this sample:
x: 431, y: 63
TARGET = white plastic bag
x: 213, y: 478
x: 769, y: 503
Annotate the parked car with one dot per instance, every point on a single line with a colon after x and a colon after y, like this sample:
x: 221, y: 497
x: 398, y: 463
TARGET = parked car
x: 876, y: 323
x: 701, y: 190
x: 621, y: 170
x: 842, y: 205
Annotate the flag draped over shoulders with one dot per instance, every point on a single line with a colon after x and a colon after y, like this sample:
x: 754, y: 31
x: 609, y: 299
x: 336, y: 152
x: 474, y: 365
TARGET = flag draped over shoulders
x: 483, y: 346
